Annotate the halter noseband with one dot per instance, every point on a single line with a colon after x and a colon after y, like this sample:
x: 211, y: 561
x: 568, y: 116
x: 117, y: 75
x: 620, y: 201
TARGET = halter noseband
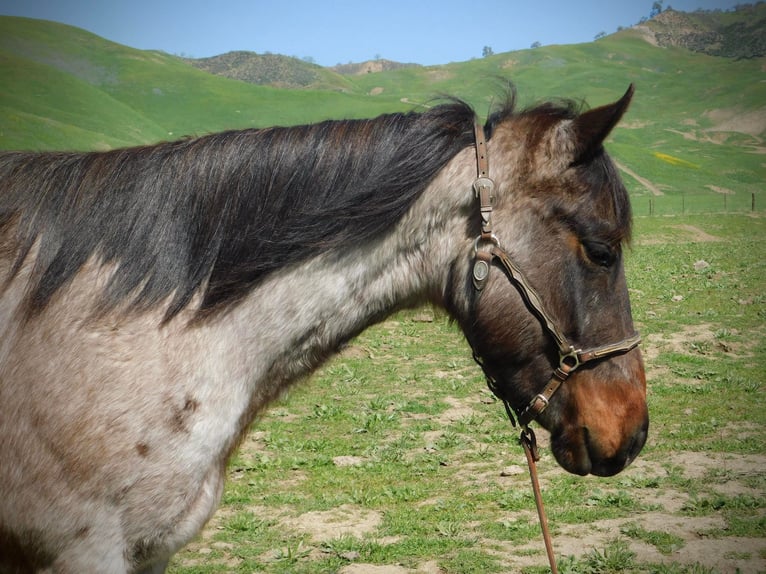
x: 570, y: 358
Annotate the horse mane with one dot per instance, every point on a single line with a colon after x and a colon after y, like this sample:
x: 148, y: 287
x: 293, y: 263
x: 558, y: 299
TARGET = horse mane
x: 221, y: 212
x: 217, y: 214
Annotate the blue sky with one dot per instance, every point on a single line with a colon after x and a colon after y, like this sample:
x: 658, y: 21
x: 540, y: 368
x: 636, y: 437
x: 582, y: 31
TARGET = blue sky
x: 341, y: 31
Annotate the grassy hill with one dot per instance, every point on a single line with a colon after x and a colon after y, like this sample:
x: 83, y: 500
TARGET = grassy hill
x: 697, y: 124
x: 69, y: 89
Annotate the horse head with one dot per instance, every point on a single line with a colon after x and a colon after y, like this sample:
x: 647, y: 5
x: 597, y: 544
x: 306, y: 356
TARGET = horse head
x: 550, y: 291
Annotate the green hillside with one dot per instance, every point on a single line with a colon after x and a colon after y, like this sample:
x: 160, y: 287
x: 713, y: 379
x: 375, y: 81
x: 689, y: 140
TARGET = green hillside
x: 696, y: 126
x: 66, y: 88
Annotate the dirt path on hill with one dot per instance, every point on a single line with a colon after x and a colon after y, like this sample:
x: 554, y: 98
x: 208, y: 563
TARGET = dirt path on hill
x: 642, y: 180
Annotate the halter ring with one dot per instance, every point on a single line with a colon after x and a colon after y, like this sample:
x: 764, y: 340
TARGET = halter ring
x: 570, y: 361
x: 481, y: 238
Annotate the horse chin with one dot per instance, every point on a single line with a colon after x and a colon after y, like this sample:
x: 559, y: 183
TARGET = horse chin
x: 579, y: 453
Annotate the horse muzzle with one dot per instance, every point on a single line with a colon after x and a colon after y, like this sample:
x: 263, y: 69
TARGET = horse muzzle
x: 604, y: 421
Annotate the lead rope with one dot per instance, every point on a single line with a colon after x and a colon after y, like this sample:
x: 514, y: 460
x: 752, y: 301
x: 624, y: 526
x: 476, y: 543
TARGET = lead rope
x: 529, y: 442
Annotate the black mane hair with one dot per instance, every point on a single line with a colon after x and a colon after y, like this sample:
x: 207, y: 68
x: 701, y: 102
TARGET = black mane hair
x: 221, y: 211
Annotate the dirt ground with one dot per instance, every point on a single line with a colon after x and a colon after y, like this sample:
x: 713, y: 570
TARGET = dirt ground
x: 725, y: 555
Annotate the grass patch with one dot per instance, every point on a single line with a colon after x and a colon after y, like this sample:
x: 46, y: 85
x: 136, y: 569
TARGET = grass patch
x: 665, y: 542
x: 614, y: 558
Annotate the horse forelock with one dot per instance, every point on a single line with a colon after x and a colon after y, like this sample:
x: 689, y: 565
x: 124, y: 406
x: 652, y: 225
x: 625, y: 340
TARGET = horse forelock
x: 609, y: 185
x: 217, y: 214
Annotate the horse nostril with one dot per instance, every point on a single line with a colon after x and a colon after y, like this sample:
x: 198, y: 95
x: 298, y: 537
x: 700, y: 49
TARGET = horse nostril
x: 638, y: 442
x: 609, y: 465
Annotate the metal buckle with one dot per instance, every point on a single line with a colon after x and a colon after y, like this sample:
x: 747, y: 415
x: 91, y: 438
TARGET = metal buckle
x: 533, y: 403
x: 532, y: 411
x: 482, y: 183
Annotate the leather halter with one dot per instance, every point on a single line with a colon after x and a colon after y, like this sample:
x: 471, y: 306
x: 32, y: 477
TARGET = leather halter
x: 570, y: 358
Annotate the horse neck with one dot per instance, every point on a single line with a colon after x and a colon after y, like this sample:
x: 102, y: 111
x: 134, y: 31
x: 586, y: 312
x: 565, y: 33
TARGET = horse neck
x: 301, y: 315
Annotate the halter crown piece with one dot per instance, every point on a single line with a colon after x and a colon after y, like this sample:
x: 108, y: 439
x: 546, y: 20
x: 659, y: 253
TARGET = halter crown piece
x: 487, y: 249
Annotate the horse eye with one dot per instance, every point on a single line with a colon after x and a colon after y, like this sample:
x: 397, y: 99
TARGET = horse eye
x: 599, y: 253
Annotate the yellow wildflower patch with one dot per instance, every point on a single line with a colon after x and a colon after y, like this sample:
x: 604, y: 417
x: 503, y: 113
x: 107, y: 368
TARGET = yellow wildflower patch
x: 674, y: 160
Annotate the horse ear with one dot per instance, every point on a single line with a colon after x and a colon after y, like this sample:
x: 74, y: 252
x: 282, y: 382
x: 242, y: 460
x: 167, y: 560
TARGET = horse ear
x: 592, y: 127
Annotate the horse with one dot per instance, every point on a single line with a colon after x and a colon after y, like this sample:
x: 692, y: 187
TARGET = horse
x: 154, y: 299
